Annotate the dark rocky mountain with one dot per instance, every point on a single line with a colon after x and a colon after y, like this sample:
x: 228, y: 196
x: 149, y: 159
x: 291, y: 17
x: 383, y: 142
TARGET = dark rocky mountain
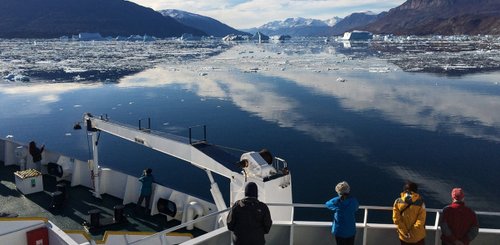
x: 445, y: 17
x: 208, y: 25
x: 354, y: 21
x: 55, y: 18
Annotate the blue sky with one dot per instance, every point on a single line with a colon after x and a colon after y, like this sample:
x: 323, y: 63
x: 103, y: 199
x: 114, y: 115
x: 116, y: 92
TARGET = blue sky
x: 253, y: 13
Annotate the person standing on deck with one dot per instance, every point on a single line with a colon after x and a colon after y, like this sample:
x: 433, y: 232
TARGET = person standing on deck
x: 344, y: 207
x: 249, y: 219
x: 36, y: 153
x: 459, y: 225
x: 408, y: 214
x: 147, y: 187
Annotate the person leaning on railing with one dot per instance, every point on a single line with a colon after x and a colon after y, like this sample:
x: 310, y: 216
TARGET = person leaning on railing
x: 408, y: 214
x: 458, y: 222
x: 249, y: 219
x: 344, y: 207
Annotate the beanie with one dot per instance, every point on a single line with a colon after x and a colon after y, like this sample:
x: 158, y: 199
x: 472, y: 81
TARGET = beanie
x: 251, y: 190
x: 342, y: 188
x: 457, y: 194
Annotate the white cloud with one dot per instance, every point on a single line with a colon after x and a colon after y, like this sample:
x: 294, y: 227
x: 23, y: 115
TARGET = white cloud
x: 253, y: 13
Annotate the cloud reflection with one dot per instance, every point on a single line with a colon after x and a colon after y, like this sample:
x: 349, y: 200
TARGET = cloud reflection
x: 34, y: 99
x: 420, y: 101
x: 420, y: 104
x: 257, y: 98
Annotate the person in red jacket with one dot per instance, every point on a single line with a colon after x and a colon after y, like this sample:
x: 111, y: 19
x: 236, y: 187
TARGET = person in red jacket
x: 458, y: 223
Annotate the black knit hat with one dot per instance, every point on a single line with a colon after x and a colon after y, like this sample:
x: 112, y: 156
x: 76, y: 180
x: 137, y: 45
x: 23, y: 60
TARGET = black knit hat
x: 251, y: 190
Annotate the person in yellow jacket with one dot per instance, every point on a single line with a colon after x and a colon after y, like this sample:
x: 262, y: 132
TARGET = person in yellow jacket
x: 408, y: 214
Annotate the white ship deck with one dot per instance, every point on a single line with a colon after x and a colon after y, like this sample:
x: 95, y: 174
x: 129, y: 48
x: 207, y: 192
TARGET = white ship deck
x: 64, y: 226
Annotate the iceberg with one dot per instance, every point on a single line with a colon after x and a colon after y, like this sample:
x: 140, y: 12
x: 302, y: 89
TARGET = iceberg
x: 260, y: 37
x: 281, y: 37
x: 189, y: 37
x: 87, y: 36
x: 358, y: 35
x: 233, y: 37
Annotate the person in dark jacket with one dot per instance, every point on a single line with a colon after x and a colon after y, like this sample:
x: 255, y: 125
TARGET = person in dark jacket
x: 36, y: 153
x: 459, y: 225
x: 147, y: 187
x: 249, y: 219
x: 344, y: 218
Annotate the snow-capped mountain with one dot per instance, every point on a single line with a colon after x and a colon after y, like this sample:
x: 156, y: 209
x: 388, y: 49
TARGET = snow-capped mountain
x: 293, y: 22
x: 297, y: 27
x: 209, y: 25
x: 333, y: 21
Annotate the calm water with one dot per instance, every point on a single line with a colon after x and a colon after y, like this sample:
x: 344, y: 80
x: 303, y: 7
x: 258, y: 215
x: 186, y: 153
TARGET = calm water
x: 376, y: 129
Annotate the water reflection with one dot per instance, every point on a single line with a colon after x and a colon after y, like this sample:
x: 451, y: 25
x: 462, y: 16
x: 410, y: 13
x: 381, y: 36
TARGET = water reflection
x: 35, y: 99
x: 423, y: 102
x: 301, y: 91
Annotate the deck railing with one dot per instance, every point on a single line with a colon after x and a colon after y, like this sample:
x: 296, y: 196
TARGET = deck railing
x: 364, y: 225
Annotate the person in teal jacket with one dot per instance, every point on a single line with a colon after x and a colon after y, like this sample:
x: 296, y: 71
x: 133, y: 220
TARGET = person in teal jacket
x: 344, y: 207
x: 147, y: 180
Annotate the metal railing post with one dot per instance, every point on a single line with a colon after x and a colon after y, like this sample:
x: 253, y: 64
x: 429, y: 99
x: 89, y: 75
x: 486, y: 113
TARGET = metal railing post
x: 437, y: 237
x: 190, y: 142
x: 365, y: 228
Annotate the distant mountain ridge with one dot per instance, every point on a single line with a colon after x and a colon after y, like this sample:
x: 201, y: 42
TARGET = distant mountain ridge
x: 209, y: 25
x: 312, y: 27
x: 55, y: 18
x: 446, y: 17
x: 354, y: 21
x: 413, y: 17
x: 297, y: 27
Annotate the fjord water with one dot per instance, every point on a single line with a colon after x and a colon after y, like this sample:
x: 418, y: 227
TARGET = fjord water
x: 332, y: 117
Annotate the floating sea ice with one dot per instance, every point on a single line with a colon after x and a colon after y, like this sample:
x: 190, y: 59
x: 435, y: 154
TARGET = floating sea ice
x: 131, y: 102
x: 379, y: 69
x: 21, y: 78
x: 77, y: 106
x: 9, y: 77
x: 67, y: 134
x: 255, y: 69
x: 78, y: 78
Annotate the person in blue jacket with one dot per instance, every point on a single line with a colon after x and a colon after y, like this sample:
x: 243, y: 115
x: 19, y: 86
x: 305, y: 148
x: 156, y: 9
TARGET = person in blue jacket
x: 344, y: 208
x: 147, y: 187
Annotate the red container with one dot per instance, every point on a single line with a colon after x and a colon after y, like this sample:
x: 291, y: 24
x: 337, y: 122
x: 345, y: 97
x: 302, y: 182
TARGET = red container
x: 38, y: 236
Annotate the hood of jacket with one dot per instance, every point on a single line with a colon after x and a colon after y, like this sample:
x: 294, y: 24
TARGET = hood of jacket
x: 411, y: 197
